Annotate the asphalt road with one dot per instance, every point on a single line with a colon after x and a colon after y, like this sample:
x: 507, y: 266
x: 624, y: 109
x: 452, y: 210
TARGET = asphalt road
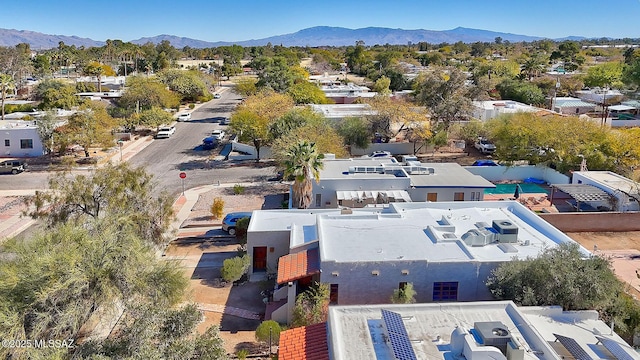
x: 182, y: 152
x: 166, y: 158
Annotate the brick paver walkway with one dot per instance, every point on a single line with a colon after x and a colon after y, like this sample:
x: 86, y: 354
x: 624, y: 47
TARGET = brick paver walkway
x: 230, y: 310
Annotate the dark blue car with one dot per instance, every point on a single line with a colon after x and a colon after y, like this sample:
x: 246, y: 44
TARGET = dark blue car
x: 484, y: 163
x: 209, y: 143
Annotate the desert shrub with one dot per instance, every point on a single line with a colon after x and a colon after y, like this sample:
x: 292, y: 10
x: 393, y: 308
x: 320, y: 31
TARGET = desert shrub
x: 234, y: 268
x: 238, y: 189
x: 217, y: 208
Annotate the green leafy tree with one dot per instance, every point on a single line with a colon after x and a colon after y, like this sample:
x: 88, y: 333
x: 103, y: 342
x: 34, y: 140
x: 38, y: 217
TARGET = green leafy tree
x: 404, y: 295
x: 234, y: 268
x: 254, y: 117
x: 90, y: 126
x: 304, y: 164
x: 46, y: 129
x: 355, y: 132
x: 521, y: 91
x: 56, y: 94
x: 276, y: 75
x: 267, y: 331
x: 305, y: 92
x: 6, y: 84
x: 154, y: 117
x: 126, y: 193
x: 144, y: 93
x: 188, y: 84
x: 98, y: 70
x: 604, y: 75
x: 57, y: 280
x: 316, y: 129
x: 632, y: 73
x: 154, y: 333
x: 311, y: 306
x: 381, y: 86
x: 562, y: 275
x: 445, y: 94
x: 246, y: 86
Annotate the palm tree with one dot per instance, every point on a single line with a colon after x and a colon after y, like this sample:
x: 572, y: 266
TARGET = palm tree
x: 532, y: 66
x: 6, y: 83
x: 304, y: 164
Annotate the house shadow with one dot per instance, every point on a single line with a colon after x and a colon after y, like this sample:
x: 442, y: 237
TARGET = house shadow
x: 247, y: 297
x: 209, y: 266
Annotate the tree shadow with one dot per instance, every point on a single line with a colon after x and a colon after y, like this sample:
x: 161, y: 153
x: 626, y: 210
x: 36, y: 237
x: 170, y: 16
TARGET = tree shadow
x: 253, y: 348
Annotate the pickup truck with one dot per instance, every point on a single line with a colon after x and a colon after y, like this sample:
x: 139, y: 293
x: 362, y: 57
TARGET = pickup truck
x: 485, y: 146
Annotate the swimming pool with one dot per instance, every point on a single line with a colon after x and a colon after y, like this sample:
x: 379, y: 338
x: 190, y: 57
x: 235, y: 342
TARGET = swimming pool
x: 511, y: 188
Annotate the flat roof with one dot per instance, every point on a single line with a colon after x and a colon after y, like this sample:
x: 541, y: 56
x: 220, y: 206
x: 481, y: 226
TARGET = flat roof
x: 418, y: 231
x: 432, y: 232
x: 612, y: 180
x: 449, y: 175
x: 359, y: 332
x: 444, y: 175
x: 343, y: 110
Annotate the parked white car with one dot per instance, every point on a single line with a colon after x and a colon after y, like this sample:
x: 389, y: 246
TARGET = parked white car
x: 485, y: 146
x: 216, y: 96
x: 218, y: 134
x: 184, y: 117
x: 165, y: 132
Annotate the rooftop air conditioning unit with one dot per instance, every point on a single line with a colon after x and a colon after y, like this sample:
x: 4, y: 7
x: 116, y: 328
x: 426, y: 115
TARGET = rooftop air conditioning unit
x: 493, y: 333
x: 507, y: 231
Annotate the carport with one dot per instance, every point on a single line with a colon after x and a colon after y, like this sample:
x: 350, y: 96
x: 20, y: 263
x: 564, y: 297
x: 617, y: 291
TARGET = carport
x: 584, y: 197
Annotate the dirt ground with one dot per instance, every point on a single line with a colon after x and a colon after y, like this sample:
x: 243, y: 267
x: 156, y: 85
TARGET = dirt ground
x: 622, y: 248
x: 202, y: 262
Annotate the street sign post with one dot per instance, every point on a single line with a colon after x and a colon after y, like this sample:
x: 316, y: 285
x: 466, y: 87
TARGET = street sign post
x: 183, y: 175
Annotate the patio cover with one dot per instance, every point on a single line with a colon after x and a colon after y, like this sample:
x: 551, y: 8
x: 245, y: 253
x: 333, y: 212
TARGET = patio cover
x: 373, y: 194
x: 583, y: 192
x: 296, y: 266
x: 621, y: 108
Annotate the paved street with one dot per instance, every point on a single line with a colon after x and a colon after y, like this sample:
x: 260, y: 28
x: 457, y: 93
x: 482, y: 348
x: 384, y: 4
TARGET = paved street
x: 166, y: 158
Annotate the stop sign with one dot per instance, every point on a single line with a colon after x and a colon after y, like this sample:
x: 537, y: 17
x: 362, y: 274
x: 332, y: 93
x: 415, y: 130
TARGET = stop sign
x: 183, y: 175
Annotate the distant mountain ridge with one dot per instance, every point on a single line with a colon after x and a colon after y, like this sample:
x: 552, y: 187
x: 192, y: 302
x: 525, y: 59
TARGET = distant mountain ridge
x: 314, y: 36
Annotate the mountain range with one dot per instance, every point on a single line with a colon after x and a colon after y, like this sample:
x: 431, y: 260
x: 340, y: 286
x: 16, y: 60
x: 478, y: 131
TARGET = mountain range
x: 314, y: 36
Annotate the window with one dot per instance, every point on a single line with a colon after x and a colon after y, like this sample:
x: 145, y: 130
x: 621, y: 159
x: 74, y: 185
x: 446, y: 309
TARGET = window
x: 318, y: 200
x: 445, y: 291
x: 7, y: 142
x: 26, y: 143
x: 433, y: 197
x: 459, y: 196
x: 333, y: 294
x: 475, y: 196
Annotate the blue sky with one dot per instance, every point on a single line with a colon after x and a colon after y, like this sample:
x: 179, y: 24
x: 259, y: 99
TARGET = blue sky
x: 215, y: 20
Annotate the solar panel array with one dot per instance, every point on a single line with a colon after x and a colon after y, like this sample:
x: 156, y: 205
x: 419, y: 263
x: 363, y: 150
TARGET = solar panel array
x: 398, y: 336
x: 573, y: 347
x: 616, y: 349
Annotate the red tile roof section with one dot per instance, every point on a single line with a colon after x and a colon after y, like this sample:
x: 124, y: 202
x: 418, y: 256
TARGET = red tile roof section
x: 295, y: 266
x: 304, y: 343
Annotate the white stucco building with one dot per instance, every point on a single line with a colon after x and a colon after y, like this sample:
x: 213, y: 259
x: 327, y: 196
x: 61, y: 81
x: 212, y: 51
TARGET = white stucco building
x: 445, y: 249
x: 20, y: 139
x: 498, y: 330
x: 624, y: 190
x: 358, y: 182
x: 487, y: 110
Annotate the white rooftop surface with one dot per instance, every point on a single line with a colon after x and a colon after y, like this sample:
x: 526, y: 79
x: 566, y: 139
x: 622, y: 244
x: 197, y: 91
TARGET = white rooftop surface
x: 612, y: 180
x: 400, y: 232
x: 357, y: 332
x: 339, y: 168
x: 509, y: 106
x: 445, y: 174
x: 342, y: 110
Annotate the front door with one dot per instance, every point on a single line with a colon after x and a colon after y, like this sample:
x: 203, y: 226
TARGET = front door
x: 260, y: 258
